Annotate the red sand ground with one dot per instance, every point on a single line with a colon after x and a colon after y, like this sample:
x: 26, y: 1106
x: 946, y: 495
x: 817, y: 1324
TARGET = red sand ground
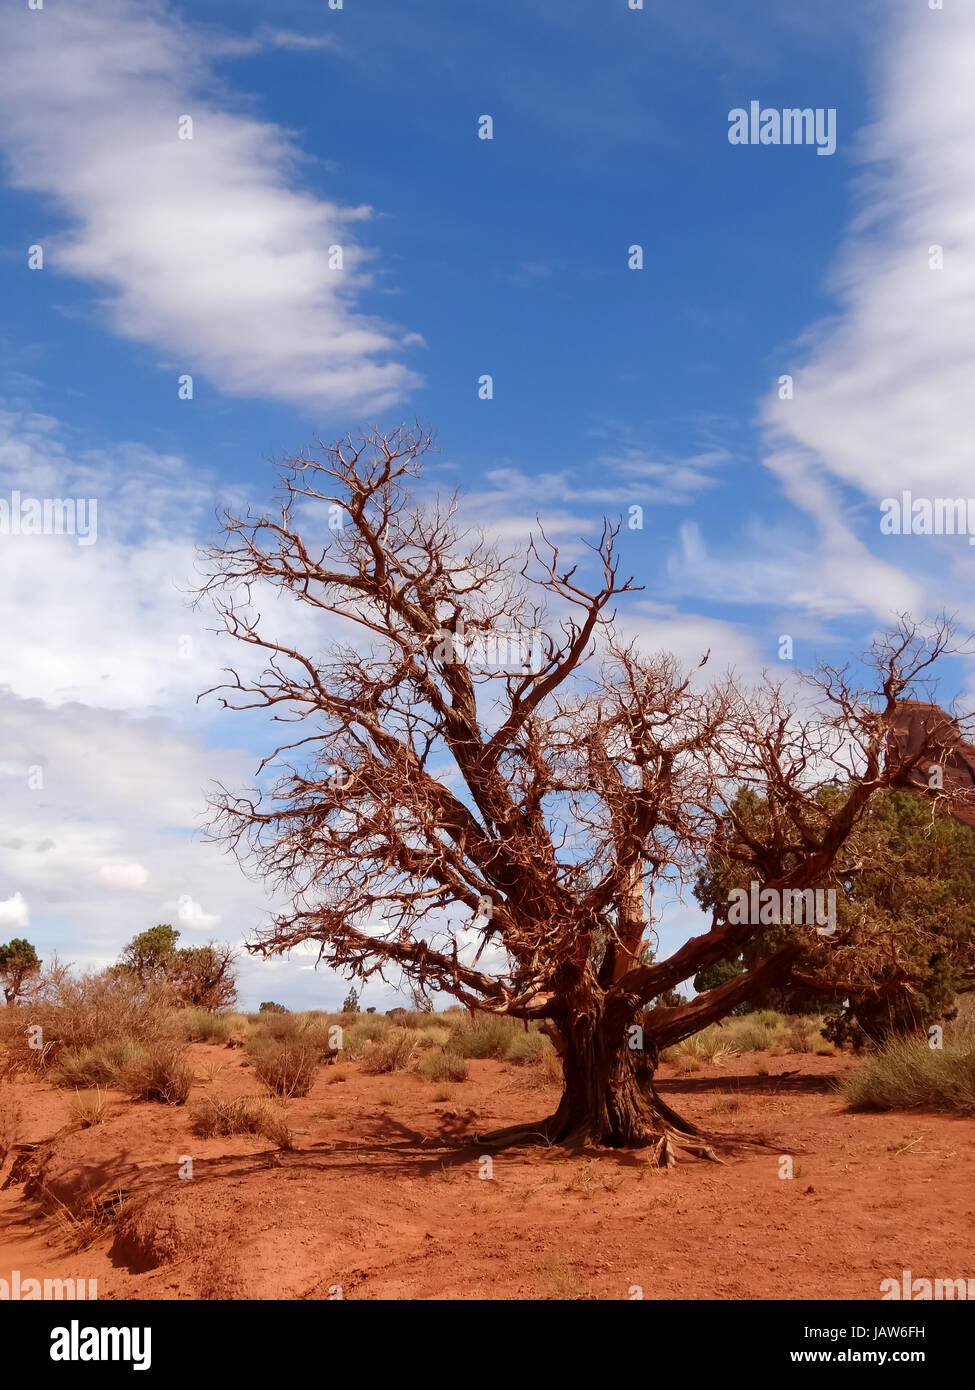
x: 379, y: 1200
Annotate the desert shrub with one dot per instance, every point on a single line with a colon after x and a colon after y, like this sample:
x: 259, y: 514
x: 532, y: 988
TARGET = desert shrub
x: 442, y: 1065
x: 527, y: 1047
x: 161, y: 1075
x: 433, y: 1037
x: 309, y: 1031
x: 751, y: 1034
x: 486, y: 1036
x: 962, y: 1026
x: 105, y: 1064
x: 415, y: 1019
x: 241, y: 1115
x: 801, y: 1034
x: 686, y: 1062
x: 84, y: 1012
x: 395, y: 1052
x: 711, y: 1044
x: 201, y: 1026
x: 81, y: 1228
x: 370, y: 1026
x: 286, y: 1066
x: 88, y: 1108
x: 542, y: 1071
x: 269, y: 1007
x: 272, y: 1027
x: 906, y: 1074
x: 315, y: 1031
x: 354, y: 1043
x: 11, y: 1123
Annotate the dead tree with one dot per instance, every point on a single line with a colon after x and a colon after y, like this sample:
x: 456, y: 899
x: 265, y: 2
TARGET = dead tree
x: 500, y: 830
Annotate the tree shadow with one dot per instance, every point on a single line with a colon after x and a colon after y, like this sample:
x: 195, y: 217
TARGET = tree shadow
x: 794, y: 1082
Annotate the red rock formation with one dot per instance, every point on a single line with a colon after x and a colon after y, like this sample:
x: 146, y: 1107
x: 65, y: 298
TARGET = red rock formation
x: 917, y: 723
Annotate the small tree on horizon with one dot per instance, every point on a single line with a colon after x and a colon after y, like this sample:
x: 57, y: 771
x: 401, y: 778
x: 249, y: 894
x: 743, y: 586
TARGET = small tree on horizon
x: 502, y: 835
x: 148, y: 954
x: 18, y: 965
x: 201, y: 977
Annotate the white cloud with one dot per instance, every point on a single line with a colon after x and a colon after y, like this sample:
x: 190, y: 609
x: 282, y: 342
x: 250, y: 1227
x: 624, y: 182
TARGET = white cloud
x: 114, y: 617
x: 266, y: 36
x: 207, y: 247
x: 14, y: 912
x: 777, y: 566
x: 118, y: 629
x: 659, y: 627
x: 123, y: 877
x: 189, y: 915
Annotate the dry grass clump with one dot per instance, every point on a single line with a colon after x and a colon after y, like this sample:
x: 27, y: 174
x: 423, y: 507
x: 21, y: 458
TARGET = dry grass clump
x: 485, y: 1035
x: 412, y: 1018
x: 11, y: 1121
x: 907, y: 1074
x: 105, y: 1064
x: 88, y: 1108
x: 528, y: 1047
x: 241, y: 1115
x: 202, y: 1026
x: 315, y: 1032
x: 757, y: 1032
x: 157, y: 1071
x: 288, y: 1067
x: 397, y: 1051
x: 161, y: 1075
x: 711, y: 1045
x: 962, y: 1027
x: 369, y: 1027
x: 442, y: 1065
x: 541, y: 1072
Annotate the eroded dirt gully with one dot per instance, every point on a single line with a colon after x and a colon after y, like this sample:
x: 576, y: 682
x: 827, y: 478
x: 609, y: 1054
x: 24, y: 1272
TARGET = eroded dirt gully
x: 379, y: 1199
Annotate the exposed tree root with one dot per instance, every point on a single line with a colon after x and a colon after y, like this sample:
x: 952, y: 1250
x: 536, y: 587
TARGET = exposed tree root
x: 665, y: 1144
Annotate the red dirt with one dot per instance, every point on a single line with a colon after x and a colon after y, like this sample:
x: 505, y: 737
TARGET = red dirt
x: 378, y: 1199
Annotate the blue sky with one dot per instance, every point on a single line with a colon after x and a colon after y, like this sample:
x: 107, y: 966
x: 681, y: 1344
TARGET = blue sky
x: 612, y: 387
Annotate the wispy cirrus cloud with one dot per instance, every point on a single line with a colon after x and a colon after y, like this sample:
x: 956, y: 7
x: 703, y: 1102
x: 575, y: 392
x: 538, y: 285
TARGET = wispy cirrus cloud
x: 883, y: 399
x: 207, y: 248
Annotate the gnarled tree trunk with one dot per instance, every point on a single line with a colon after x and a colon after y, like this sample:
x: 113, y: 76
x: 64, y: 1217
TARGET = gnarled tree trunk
x: 608, y: 1096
